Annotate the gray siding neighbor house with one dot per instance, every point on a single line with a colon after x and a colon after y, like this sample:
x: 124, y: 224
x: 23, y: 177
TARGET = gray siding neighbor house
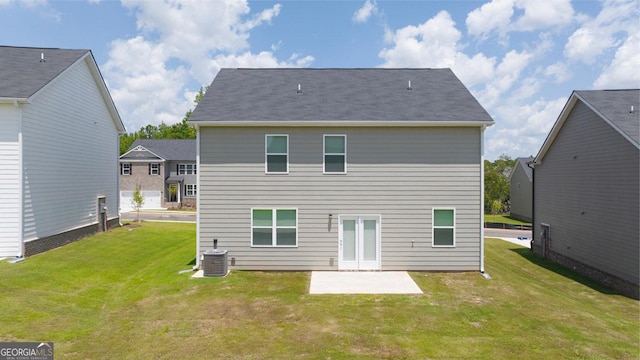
x: 587, y: 188
x: 341, y: 169
x: 521, y: 189
x: 164, y: 170
x: 59, y: 133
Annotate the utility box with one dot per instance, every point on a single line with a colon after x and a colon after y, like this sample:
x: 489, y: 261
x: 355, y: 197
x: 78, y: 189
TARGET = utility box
x: 214, y: 262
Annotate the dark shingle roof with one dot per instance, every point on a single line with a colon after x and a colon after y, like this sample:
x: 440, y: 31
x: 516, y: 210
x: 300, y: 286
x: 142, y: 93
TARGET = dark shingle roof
x: 22, y: 73
x: 522, y: 161
x: 615, y: 106
x: 173, y: 149
x: 340, y: 95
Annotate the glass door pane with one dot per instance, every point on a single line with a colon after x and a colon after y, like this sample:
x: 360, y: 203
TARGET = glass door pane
x: 370, y: 240
x: 349, y: 240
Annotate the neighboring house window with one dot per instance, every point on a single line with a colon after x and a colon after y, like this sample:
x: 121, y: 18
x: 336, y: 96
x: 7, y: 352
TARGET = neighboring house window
x: 190, y: 190
x: 277, y: 154
x: 186, y: 169
x: 274, y: 227
x: 125, y: 169
x: 335, y: 154
x: 444, y: 227
x: 154, y: 169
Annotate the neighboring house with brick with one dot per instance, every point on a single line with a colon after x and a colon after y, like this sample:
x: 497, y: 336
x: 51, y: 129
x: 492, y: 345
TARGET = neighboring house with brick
x: 337, y: 169
x: 164, y: 170
x: 59, y: 133
x: 521, y: 189
x: 587, y: 188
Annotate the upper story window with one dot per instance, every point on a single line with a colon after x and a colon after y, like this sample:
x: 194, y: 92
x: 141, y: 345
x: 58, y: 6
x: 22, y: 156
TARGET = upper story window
x: 125, y: 169
x: 335, y: 154
x: 277, y: 154
x: 154, y: 169
x: 186, y: 169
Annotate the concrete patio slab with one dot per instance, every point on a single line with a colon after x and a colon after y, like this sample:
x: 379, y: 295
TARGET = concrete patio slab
x: 375, y: 282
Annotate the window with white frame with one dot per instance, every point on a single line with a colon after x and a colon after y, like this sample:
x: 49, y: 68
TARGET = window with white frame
x: 274, y: 227
x: 190, y: 190
x: 335, y: 154
x: 277, y: 154
x: 444, y: 227
x: 186, y: 169
x: 125, y: 168
x: 154, y: 169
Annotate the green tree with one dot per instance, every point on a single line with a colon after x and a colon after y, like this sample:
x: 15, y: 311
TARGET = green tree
x: 137, y: 200
x: 496, y: 184
x: 180, y: 130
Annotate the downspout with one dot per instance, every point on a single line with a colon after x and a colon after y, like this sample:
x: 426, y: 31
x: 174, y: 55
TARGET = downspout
x: 20, y: 183
x: 198, y: 192
x: 482, y: 199
x: 118, y: 179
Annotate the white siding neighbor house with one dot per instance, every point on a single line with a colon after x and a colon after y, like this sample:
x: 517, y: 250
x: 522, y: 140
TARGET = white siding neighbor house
x: 341, y: 169
x: 587, y: 189
x: 58, y: 149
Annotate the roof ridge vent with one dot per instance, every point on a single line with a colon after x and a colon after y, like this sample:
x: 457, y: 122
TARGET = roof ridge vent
x: 299, y: 89
x: 409, y: 86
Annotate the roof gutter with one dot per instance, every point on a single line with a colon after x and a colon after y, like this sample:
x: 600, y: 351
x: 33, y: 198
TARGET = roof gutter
x: 14, y: 101
x: 354, y: 123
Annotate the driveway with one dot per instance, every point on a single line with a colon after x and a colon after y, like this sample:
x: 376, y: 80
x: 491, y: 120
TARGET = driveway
x: 161, y: 215
x: 520, y: 237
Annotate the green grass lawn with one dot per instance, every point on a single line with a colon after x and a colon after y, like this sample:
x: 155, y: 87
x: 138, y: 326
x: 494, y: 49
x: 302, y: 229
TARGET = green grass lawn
x: 118, y: 295
x: 504, y: 219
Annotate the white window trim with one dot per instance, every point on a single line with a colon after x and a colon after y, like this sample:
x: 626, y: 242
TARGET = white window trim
x: 122, y: 171
x: 273, y: 228
x: 155, y: 171
x: 266, y: 154
x: 193, y: 192
x: 186, y: 169
x: 433, y: 227
x: 324, y: 155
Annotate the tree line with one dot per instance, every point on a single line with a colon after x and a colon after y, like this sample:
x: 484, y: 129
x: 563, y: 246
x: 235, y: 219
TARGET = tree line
x: 180, y: 130
x: 497, y: 189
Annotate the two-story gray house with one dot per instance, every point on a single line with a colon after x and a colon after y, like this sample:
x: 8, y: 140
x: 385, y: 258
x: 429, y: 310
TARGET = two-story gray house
x: 164, y: 170
x: 341, y: 169
x: 587, y: 188
x: 521, y: 189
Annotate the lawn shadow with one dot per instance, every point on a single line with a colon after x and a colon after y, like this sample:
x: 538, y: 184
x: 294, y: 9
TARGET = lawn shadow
x: 192, y: 262
x: 564, y: 271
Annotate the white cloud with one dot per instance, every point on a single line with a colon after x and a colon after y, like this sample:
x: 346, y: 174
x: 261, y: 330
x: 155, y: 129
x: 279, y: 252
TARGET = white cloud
x: 596, y: 35
x: 490, y: 17
x: 364, y: 13
x: 42, y: 7
x: 182, y: 42
x: 623, y: 71
x: 524, y: 127
x: 558, y: 72
x: 543, y: 14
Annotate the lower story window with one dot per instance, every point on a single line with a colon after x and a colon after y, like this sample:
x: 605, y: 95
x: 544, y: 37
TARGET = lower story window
x: 274, y: 227
x: 190, y: 190
x: 444, y: 227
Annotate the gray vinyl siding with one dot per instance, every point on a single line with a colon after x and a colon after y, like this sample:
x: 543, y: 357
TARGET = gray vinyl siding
x: 400, y: 174
x: 521, y: 194
x: 70, y: 155
x: 587, y: 189
x: 10, y: 181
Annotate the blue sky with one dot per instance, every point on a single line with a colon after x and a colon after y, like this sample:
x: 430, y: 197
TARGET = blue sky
x: 520, y: 58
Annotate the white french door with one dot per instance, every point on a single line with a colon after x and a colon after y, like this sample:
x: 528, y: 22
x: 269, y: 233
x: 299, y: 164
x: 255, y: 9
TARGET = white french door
x: 359, y: 242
